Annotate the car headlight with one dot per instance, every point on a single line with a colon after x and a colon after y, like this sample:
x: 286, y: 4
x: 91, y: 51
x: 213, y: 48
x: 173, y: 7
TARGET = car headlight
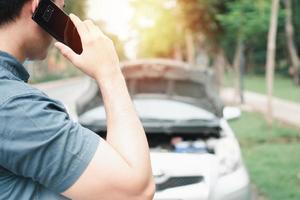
x: 228, y: 153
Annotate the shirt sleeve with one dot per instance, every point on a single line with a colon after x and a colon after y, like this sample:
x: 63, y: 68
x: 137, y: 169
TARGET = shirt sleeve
x: 39, y: 141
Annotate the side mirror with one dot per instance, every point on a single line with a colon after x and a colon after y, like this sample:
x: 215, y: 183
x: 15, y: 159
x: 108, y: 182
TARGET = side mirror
x: 231, y: 113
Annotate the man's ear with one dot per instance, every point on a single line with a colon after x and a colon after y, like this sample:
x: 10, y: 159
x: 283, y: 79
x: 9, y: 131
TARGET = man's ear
x: 34, y: 5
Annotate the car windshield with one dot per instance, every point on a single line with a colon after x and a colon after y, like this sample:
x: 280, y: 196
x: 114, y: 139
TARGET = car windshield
x: 170, y: 110
x: 164, y: 114
x: 186, y: 123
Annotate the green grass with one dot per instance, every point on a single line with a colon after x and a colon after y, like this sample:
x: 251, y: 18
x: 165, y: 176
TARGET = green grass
x: 283, y: 86
x: 272, y: 156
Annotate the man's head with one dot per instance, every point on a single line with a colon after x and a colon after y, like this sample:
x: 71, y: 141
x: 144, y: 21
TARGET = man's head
x: 16, y: 23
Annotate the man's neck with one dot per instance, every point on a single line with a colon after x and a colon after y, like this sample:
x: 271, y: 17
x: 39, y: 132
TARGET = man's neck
x: 11, y: 43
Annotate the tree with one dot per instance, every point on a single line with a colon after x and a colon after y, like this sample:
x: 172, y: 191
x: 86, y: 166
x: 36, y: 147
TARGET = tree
x: 249, y: 21
x: 160, y: 31
x: 241, y: 28
x: 201, y: 27
x: 271, y: 53
x: 292, y: 48
x: 178, y: 28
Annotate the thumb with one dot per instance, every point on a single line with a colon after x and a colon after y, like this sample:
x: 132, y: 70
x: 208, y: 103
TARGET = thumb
x: 67, y: 52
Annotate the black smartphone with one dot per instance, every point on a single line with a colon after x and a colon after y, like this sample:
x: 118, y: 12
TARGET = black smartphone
x: 58, y: 24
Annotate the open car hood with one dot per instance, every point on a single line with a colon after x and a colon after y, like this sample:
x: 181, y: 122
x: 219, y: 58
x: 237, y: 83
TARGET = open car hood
x: 167, y: 78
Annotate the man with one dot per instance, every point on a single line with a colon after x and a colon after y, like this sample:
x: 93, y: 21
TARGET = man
x: 45, y: 155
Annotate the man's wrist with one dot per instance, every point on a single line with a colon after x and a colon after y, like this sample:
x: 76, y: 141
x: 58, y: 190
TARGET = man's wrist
x: 112, y: 78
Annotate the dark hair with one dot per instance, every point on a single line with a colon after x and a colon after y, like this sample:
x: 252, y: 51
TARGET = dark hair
x: 10, y: 10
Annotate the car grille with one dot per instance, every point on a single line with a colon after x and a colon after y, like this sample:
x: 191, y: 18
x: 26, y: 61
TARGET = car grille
x: 179, y: 181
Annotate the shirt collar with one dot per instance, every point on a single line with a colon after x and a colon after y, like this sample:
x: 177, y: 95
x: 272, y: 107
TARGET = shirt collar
x: 11, y: 64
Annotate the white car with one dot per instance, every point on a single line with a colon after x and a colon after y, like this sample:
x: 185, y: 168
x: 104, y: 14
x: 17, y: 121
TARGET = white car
x: 195, y: 154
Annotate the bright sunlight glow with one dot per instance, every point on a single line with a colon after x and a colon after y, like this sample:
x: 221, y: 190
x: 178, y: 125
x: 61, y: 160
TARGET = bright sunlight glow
x: 115, y: 13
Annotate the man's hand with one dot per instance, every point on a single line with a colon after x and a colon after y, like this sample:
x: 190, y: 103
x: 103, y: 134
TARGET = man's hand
x: 99, y: 58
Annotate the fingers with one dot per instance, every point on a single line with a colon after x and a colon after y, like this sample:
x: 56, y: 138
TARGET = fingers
x: 80, y: 26
x: 88, y: 32
x: 67, y: 52
x: 87, y: 29
x: 89, y: 25
x: 94, y: 30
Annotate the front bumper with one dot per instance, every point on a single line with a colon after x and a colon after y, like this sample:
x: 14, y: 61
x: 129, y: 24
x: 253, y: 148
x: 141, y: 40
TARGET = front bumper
x: 199, y: 191
x: 234, y: 186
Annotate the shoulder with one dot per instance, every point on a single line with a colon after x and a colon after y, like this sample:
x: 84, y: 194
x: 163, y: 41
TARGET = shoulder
x: 13, y: 89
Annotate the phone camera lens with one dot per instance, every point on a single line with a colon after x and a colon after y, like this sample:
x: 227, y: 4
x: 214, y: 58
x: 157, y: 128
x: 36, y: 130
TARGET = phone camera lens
x: 48, y: 13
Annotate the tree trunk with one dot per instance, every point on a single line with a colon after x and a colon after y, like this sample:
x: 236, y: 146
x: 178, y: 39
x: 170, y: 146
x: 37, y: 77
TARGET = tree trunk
x: 178, y: 52
x: 289, y: 30
x: 236, y: 65
x: 190, y: 44
x: 271, y: 56
x: 220, y: 63
x: 201, y: 54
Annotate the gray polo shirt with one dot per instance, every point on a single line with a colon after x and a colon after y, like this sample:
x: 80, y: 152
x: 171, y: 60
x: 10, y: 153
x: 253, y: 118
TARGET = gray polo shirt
x: 42, y: 151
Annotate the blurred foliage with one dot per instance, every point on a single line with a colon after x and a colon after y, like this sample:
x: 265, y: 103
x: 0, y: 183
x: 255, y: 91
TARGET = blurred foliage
x: 77, y: 7
x: 162, y: 27
x: 200, y: 17
x: 246, y: 18
x: 220, y: 22
x: 249, y: 22
x: 296, y: 20
x: 159, y: 29
x: 171, y: 19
